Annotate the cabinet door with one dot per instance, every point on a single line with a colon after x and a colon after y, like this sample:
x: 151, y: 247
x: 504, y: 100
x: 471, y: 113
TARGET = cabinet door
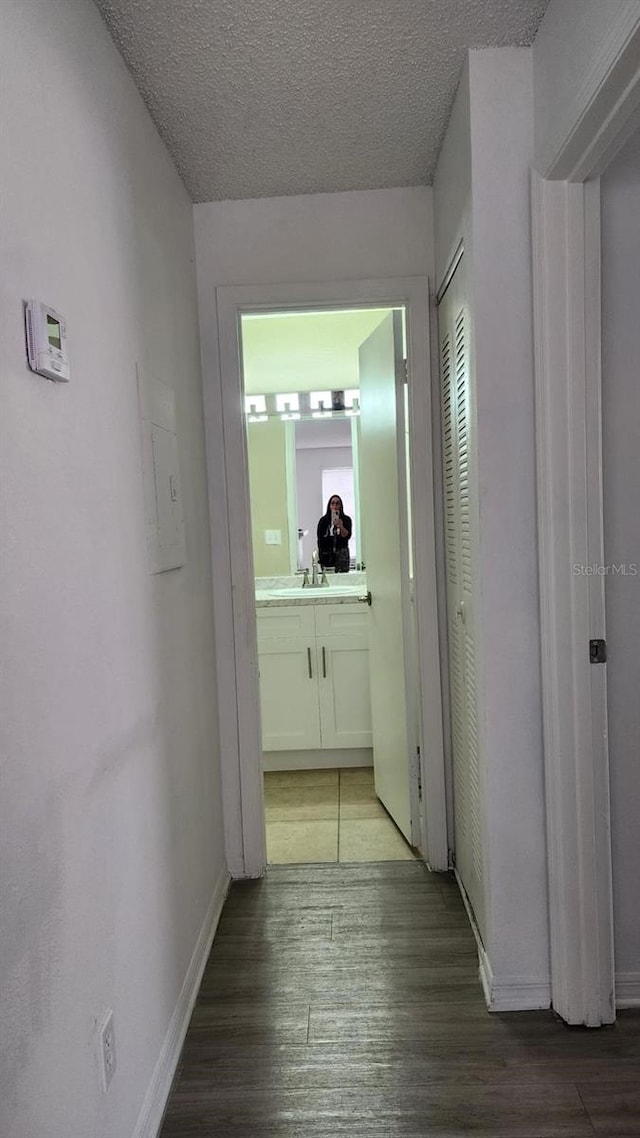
x: 343, y: 668
x: 288, y: 679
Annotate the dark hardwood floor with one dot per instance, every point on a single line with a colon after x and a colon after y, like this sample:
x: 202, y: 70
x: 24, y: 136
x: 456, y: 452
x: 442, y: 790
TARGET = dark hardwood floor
x: 344, y: 1000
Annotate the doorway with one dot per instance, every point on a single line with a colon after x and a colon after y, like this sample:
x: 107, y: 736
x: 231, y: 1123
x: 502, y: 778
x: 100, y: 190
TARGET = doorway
x: 620, y: 570
x: 568, y: 324
x: 240, y: 713
x: 321, y: 394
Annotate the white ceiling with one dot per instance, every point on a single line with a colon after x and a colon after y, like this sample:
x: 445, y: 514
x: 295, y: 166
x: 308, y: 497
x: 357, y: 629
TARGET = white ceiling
x: 310, y: 351
x: 261, y: 98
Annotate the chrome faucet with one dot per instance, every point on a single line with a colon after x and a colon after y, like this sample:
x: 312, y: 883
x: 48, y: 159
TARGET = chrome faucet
x: 315, y: 579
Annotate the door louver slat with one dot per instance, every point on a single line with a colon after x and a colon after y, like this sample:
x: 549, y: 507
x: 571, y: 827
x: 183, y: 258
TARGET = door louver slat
x: 459, y: 490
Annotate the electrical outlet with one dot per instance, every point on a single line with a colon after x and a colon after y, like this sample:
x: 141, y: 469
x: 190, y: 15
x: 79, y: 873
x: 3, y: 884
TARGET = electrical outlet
x: 107, y: 1050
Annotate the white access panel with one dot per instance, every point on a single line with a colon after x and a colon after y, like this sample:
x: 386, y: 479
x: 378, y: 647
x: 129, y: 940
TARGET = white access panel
x: 161, y: 476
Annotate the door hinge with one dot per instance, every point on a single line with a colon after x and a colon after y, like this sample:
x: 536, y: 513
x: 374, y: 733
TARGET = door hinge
x: 451, y: 859
x: 598, y: 651
x: 405, y: 370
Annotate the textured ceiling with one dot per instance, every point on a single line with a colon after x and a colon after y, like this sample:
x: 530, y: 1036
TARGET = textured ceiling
x: 261, y: 98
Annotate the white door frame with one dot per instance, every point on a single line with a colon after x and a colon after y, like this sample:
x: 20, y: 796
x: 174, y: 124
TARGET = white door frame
x: 567, y: 323
x: 234, y: 607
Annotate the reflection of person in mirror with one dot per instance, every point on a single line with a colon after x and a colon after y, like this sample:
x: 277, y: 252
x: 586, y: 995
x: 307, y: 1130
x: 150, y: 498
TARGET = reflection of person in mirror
x: 334, y: 531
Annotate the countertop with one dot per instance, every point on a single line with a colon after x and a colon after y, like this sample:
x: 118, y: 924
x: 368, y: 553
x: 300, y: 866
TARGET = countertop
x: 342, y: 589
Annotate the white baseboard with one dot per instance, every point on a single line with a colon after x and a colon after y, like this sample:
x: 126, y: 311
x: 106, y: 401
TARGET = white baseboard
x: 524, y: 994
x: 317, y: 760
x: 155, y: 1100
x: 627, y: 989
x: 512, y: 994
x: 515, y: 993
x: 486, y: 975
x: 518, y: 994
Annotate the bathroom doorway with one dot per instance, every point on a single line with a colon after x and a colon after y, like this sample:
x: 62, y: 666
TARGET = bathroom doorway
x: 336, y: 763
x: 243, y: 785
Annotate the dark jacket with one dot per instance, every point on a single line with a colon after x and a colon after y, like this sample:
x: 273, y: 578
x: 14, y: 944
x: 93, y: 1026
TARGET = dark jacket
x: 333, y: 549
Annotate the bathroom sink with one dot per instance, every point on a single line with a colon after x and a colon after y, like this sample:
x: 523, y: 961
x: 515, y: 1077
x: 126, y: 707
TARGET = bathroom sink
x: 296, y: 591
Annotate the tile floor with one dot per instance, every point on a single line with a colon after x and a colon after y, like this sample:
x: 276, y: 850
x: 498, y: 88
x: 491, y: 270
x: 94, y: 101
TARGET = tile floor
x: 328, y: 816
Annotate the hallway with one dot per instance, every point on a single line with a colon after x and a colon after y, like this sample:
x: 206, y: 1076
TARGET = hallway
x: 344, y: 999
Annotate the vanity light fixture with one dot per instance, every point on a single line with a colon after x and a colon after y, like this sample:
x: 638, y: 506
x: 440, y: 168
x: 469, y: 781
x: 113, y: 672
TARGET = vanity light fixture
x: 255, y: 404
x: 320, y: 400
x: 320, y: 404
x: 287, y: 403
x: 288, y: 406
x: 302, y: 405
x: 352, y: 401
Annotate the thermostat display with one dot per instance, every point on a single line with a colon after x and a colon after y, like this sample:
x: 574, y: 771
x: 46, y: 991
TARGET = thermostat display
x: 54, y: 334
x: 46, y: 341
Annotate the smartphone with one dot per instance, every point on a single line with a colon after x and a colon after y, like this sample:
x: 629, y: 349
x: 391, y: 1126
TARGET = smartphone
x: 334, y: 517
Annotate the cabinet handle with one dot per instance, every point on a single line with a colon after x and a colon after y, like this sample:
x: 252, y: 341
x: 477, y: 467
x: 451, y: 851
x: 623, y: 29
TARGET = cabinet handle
x: 309, y: 663
x: 324, y: 663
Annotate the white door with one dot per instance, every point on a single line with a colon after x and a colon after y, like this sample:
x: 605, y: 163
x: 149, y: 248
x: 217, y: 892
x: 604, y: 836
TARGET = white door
x: 385, y: 545
x: 459, y: 519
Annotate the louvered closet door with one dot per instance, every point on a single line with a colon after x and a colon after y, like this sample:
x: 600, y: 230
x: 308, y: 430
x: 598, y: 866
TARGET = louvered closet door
x: 459, y: 545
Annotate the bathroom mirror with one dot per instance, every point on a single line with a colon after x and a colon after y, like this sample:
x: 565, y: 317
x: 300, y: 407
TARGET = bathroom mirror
x: 294, y: 467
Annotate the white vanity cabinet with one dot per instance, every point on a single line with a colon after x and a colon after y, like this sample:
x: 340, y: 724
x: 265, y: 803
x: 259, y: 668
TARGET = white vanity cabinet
x: 287, y: 660
x: 314, y: 677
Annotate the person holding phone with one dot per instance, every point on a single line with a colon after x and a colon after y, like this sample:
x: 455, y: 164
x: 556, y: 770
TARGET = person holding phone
x: 334, y: 531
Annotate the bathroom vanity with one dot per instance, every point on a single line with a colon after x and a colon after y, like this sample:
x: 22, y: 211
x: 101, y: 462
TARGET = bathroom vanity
x: 313, y: 654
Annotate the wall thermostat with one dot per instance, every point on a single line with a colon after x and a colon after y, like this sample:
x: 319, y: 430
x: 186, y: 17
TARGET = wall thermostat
x: 46, y: 333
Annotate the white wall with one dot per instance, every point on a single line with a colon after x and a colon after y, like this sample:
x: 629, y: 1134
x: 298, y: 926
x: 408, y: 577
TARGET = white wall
x: 482, y: 195
x: 501, y: 84
x: 319, y: 237
x: 621, y: 471
x: 452, y: 183
x: 110, y: 827
x: 576, y: 44
x: 268, y: 491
